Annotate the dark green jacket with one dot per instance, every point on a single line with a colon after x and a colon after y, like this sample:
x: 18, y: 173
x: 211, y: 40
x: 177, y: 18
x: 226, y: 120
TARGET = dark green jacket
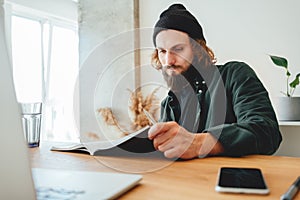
x: 235, y: 107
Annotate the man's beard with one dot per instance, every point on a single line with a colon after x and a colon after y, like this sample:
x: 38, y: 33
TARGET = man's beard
x: 174, y: 82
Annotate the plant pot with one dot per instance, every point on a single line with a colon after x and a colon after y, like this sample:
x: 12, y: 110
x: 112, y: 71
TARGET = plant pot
x: 287, y: 108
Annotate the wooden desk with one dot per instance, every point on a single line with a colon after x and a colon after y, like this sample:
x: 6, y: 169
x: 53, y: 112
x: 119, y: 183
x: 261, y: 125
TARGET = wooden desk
x: 193, y: 179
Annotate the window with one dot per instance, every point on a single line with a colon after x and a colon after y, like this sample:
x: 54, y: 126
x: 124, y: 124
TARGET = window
x: 45, y: 64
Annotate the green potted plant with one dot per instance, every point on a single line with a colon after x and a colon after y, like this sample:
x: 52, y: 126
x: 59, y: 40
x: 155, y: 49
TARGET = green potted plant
x: 288, y: 107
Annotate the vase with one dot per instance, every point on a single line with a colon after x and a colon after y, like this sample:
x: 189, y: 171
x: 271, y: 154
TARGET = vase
x: 287, y: 108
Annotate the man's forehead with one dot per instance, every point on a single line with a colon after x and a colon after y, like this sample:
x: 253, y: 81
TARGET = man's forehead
x: 170, y: 38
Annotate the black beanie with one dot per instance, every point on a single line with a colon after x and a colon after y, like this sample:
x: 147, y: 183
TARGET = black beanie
x: 177, y: 17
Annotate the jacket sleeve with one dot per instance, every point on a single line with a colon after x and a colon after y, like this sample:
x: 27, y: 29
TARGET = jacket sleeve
x: 255, y: 129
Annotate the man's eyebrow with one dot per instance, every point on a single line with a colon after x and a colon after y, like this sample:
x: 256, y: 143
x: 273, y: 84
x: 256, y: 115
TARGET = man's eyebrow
x: 178, y: 45
x: 173, y: 47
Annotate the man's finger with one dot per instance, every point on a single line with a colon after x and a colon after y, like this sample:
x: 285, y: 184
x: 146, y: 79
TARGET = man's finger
x: 159, y: 128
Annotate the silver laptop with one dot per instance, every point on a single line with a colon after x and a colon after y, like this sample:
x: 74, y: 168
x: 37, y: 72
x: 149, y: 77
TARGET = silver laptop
x: 18, y: 180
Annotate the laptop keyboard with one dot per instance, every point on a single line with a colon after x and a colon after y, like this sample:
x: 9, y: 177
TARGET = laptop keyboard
x: 49, y: 193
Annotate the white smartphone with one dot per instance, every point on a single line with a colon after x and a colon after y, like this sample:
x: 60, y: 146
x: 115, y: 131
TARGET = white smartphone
x: 241, y: 180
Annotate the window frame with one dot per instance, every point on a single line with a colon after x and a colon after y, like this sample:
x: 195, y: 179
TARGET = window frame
x: 14, y: 9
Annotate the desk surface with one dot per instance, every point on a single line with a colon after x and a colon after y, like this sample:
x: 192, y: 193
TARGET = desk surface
x: 192, y: 179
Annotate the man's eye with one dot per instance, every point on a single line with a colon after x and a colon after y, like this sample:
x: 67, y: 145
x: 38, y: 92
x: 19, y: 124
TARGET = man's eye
x: 178, y: 49
x: 161, y: 51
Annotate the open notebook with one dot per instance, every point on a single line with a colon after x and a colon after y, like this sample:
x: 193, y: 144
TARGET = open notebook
x: 19, y: 181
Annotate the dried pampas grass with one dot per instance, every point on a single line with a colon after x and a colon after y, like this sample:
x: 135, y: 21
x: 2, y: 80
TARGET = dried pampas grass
x: 110, y: 119
x: 89, y: 137
x: 138, y: 103
x: 108, y: 116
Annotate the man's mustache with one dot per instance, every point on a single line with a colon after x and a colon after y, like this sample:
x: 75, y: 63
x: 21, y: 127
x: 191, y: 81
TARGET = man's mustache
x: 172, y: 66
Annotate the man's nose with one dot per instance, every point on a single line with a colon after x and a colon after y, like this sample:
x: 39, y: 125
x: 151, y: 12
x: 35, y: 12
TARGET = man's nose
x: 170, y: 58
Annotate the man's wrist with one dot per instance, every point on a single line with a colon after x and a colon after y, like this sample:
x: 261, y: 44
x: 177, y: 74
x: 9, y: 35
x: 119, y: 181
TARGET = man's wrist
x: 208, y: 145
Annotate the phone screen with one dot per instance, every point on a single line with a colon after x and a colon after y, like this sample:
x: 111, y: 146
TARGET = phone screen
x: 241, y: 180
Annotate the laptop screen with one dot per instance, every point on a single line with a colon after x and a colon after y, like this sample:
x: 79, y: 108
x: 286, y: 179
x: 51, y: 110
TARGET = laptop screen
x: 16, y: 181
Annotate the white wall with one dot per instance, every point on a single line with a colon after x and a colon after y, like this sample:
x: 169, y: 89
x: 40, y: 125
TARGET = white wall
x: 290, y: 143
x: 106, y: 44
x: 248, y: 31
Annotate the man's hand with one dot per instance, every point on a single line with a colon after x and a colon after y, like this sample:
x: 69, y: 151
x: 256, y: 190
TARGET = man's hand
x: 175, y: 141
